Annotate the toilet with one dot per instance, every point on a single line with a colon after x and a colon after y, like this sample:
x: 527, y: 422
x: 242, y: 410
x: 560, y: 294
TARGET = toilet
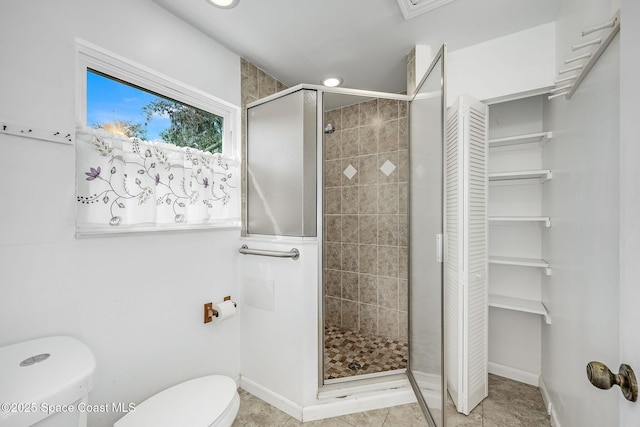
x: 201, y: 402
x: 46, y: 381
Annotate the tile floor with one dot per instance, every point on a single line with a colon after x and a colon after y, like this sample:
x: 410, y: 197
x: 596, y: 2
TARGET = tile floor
x: 372, y: 353
x: 510, y: 404
x: 256, y: 413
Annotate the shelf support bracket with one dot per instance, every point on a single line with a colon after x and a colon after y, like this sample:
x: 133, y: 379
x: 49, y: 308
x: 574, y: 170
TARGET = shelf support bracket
x: 547, y: 316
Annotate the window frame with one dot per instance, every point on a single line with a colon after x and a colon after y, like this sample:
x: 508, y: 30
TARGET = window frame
x: 93, y: 57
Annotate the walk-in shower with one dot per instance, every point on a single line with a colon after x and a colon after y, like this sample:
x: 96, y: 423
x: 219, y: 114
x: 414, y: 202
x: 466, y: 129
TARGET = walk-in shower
x: 365, y: 268
x: 353, y: 178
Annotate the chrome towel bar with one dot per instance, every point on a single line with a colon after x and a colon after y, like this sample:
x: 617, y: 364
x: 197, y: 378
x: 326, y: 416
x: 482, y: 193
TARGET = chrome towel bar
x: 293, y: 253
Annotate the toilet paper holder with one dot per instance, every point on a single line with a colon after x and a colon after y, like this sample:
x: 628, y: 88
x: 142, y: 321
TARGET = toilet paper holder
x: 210, y: 312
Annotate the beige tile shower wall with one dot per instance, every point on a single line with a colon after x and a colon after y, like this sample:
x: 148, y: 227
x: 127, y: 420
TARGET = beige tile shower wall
x: 365, y: 217
x: 255, y: 85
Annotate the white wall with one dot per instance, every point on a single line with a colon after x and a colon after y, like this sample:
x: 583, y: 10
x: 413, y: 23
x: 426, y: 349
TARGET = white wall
x: 135, y: 300
x: 583, y: 244
x: 520, y: 62
x: 279, y: 340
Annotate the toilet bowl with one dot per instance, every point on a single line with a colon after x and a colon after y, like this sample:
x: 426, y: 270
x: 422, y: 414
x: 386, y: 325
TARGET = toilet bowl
x: 201, y: 402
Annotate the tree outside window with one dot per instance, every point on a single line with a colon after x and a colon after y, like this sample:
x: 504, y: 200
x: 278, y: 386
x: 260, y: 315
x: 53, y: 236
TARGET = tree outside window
x: 123, y: 108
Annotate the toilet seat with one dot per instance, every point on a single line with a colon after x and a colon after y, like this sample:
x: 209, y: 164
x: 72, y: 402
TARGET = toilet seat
x: 202, y: 402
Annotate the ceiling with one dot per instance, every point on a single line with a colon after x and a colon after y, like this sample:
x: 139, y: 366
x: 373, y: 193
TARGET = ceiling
x: 363, y: 41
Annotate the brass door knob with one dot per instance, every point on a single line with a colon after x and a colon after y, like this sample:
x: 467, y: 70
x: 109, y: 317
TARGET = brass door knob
x: 602, y: 377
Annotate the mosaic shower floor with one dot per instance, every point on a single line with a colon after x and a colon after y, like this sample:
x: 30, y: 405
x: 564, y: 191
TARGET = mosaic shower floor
x: 349, y: 353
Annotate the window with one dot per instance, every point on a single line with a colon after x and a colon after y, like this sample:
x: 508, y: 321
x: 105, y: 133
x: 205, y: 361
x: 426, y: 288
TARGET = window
x: 98, y: 66
x: 124, y: 108
x: 151, y: 153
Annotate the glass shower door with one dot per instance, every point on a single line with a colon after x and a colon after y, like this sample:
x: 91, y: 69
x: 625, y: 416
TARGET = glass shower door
x: 426, y: 353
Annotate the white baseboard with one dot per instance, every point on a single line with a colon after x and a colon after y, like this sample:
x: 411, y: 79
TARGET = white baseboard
x: 514, y: 374
x: 554, y: 418
x: 333, y: 406
x: 548, y: 404
x: 285, y: 405
x: 545, y: 395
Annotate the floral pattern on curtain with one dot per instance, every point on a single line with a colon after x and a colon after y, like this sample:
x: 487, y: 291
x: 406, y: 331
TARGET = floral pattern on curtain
x: 126, y: 182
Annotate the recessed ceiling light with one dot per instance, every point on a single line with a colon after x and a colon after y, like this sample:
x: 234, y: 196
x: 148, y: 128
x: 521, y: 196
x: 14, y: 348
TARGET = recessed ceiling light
x: 332, y: 81
x: 224, y: 4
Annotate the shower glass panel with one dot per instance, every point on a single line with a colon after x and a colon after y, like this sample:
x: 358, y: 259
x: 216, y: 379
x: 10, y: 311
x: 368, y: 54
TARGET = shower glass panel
x: 426, y: 113
x: 281, y: 166
x: 365, y: 250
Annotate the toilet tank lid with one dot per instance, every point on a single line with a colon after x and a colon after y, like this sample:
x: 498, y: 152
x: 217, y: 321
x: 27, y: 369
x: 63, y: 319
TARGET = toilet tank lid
x: 60, y: 378
x: 197, y: 402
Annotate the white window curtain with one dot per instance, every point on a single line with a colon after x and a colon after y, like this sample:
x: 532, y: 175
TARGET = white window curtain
x: 127, y: 183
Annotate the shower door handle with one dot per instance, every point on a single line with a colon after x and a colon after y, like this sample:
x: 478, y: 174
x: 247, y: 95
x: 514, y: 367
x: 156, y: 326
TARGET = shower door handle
x: 602, y: 377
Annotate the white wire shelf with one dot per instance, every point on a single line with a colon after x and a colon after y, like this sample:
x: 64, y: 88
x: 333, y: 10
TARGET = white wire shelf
x: 521, y: 305
x: 614, y: 24
x: 521, y: 262
x: 540, y: 174
x: 540, y: 138
x: 544, y: 220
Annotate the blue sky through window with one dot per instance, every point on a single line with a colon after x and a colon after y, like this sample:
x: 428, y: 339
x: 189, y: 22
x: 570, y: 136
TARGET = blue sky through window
x: 109, y: 100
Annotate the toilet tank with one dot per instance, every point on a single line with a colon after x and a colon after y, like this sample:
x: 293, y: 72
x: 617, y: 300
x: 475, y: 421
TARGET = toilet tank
x: 44, y: 382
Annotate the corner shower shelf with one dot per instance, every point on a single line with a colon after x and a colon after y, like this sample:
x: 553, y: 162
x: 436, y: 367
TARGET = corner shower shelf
x: 542, y: 175
x: 545, y: 220
x: 522, y: 262
x: 522, y: 305
x: 540, y: 138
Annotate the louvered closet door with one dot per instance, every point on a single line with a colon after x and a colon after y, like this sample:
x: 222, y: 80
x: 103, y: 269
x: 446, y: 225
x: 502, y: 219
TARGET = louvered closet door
x: 453, y: 256
x: 466, y: 255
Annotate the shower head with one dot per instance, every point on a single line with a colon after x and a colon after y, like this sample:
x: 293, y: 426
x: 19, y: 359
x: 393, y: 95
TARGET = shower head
x: 329, y: 128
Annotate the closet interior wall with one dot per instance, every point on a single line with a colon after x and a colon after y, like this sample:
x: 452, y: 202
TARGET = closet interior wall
x: 517, y: 137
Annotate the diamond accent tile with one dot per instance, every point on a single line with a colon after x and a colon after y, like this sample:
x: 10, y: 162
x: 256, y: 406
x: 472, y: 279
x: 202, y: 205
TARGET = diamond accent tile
x: 350, y: 171
x: 387, y: 168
